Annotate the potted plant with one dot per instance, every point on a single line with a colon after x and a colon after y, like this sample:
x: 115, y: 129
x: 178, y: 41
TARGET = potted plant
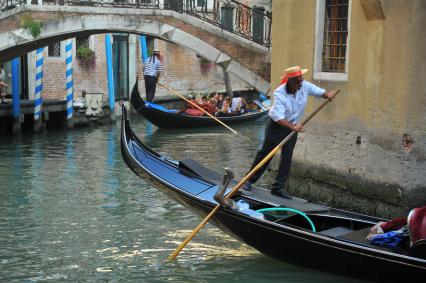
x: 86, y: 56
x: 205, y: 64
x: 34, y: 27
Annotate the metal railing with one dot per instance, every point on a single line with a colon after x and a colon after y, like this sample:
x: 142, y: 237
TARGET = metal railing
x: 250, y: 23
x: 10, y: 4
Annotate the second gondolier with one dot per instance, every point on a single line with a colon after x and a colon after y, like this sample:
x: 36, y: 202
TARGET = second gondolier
x: 151, y: 70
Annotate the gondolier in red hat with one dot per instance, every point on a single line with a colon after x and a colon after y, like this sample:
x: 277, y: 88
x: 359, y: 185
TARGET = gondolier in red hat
x: 290, y: 99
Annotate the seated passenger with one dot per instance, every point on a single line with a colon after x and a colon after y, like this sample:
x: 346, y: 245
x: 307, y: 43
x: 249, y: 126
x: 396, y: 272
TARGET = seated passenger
x: 225, y: 110
x: 238, y: 104
x: 203, y: 104
x: 391, y: 232
x: 219, y: 101
x: 214, y: 95
x: 209, y: 106
x: 199, y: 100
x: 191, y: 109
x: 251, y: 106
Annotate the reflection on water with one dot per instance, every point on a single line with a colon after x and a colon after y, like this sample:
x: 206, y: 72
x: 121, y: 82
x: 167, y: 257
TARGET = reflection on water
x: 70, y: 209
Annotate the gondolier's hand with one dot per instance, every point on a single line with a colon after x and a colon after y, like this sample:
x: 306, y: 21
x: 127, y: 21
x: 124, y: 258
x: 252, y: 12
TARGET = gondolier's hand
x: 329, y: 94
x: 298, y: 127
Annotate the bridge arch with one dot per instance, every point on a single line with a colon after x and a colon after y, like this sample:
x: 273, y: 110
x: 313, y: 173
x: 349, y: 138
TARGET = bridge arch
x: 18, y: 41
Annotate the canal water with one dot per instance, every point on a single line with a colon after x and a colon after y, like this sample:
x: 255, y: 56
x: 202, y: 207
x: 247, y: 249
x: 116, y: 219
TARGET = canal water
x: 70, y: 210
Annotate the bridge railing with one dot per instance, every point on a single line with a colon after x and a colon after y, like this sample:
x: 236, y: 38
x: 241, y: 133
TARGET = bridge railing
x: 253, y: 24
x: 10, y: 4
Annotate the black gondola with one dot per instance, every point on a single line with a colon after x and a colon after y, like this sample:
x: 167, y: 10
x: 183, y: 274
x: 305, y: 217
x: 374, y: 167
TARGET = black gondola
x: 163, y: 119
x: 311, y: 235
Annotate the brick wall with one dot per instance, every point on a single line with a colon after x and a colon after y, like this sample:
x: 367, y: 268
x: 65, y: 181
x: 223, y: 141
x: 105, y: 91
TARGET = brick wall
x: 182, y: 71
x: 92, y: 79
x: 257, y: 62
x: 54, y: 76
x: 88, y: 79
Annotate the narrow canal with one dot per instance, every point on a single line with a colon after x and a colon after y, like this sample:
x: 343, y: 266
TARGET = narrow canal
x: 71, y: 210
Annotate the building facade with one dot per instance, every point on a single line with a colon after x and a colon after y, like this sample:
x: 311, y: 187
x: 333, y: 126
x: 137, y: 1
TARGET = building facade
x: 369, y: 145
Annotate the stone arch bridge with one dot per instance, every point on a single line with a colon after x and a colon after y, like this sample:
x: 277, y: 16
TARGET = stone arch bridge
x: 245, y: 59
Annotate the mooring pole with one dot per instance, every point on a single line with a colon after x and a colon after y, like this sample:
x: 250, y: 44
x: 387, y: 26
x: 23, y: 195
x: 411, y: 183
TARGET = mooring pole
x: 144, y: 49
x: 69, y: 84
x: 16, y: 100
x: 111, y: 94
x: 38, y: 101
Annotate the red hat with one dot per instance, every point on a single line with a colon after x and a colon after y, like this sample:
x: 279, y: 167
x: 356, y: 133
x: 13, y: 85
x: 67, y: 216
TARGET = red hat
x: 291, y: 72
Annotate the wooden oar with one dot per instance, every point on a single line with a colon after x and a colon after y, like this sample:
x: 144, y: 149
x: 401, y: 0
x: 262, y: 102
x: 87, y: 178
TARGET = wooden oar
x: 204, y: 111
x: 240, y: 184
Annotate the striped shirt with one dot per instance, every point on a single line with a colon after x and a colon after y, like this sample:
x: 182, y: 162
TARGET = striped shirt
x: 291, y: 107
x: 152, y: 66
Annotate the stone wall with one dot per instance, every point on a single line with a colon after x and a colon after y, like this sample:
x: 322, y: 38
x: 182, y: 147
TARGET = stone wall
x: 346, y: 168
x: 367, y: 149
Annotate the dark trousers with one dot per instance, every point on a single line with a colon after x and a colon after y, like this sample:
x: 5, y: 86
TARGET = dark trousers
x: 150, y: 85
x: 274, y: 134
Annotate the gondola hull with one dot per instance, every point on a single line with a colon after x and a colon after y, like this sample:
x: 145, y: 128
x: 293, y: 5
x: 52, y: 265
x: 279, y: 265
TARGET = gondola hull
x: 164, y: 119
x: 284, y: 242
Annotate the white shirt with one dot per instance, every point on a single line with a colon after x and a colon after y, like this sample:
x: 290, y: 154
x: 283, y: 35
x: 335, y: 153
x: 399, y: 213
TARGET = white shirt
x: 291, y: 107
x: 236, y: 104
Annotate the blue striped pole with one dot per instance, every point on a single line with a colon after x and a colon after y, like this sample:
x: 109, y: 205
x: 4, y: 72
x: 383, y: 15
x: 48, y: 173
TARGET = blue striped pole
x: 16, y: 101
x: 144, y: 49
x: 69, y: 84
x: 111, y: 94
x: 38, y: 88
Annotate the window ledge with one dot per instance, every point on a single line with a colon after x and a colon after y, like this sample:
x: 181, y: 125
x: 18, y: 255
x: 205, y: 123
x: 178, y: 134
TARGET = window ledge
x: 323, y: 76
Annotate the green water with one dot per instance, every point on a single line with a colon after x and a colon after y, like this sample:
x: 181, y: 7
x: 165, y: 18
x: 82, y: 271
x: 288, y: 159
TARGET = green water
x: 70, y: 210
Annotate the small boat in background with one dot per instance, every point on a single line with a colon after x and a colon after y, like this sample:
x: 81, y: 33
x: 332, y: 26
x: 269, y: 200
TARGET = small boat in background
x: 295, y: 231
x: 165, y: 118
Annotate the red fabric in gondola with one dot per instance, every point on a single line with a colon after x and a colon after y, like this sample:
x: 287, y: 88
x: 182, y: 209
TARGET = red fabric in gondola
x: 394, y: 224
x: 417, y: 224
x: 209, y: 108
x: 194, y: 112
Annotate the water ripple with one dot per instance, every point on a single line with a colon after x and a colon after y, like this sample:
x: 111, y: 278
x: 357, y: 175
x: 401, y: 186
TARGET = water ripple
x: 71, y: 210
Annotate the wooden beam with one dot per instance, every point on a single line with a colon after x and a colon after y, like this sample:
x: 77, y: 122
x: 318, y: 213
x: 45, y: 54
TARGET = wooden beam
x: 372, y: 10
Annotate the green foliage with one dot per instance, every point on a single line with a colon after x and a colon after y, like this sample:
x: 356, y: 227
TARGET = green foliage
x: 34, y: 27
x: 204, y: 61
x: 86, y: 56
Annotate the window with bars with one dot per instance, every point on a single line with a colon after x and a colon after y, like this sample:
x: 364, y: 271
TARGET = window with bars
x: 335, y: 36
x: 332, y: 39
x: 54, y: 50
x: 81, y: 41
x: 201, y: 3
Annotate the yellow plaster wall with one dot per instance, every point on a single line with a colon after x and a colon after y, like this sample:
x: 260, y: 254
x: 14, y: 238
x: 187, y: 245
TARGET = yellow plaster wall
x: 386, y: 89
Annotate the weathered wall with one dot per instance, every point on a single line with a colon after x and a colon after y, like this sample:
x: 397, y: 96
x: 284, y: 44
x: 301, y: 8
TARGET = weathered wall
x: 182, y: 71
x: 249, y: 54
x: 383, y: 99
